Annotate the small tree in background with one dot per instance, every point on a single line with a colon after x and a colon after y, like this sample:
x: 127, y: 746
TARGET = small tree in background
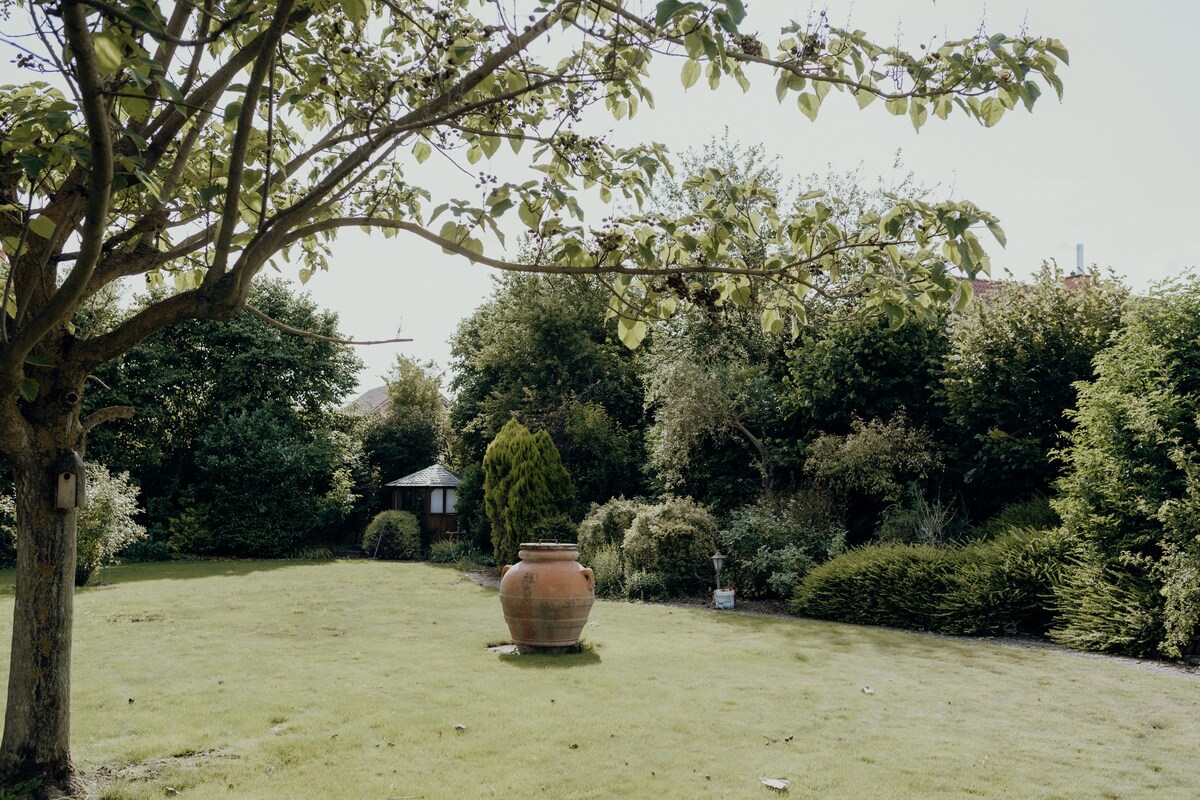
x: 410, y: 434
x: 1010, y: 379
x: 524, y: 484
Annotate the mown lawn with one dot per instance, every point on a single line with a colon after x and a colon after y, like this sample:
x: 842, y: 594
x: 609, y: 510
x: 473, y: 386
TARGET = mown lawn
x: 346, y: 680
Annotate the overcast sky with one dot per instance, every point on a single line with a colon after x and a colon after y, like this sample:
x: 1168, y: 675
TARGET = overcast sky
x: 1113, y: 167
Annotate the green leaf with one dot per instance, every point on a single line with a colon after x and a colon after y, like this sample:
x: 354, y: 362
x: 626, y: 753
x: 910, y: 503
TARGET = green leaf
x: 1056, y: 48
x: 529, y: 216
x: 738, y: 11
x: 690, y: 73
x: 665, y: 10
x: 421, y: 151
x: 809, y: 104
x: 864, y: 98
x: 725, y: 20
x: 772, y: 322
x: 990, y: 111
x: 233, y: 111
x: 998, y: 232
x: 110, y: 53
x: 28, y: 389
x: 631, y: 332
x: 38, y: 361
x: 356, y: 10
x: 897, y: 105
x: 42, y: 226
x: 918, y: 113
x: 963, y: 295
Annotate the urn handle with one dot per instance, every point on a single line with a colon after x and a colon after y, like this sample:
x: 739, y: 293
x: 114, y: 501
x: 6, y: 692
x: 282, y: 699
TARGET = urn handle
x: 504, y: 571
x: 590, y: 577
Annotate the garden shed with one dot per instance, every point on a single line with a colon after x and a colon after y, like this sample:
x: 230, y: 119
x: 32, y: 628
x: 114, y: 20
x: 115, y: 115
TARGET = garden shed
x: 432, y: 495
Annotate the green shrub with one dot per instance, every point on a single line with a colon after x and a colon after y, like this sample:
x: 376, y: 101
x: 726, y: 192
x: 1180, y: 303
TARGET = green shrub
x: 455, y: 551
x: 393, y: 535
x: 557, y: 528
x: 674, y: 539
x: 896, y: 585
x: 1006, y: 585
x: 987, y: 588
x: 771, y: 545
x: 145, y: 551
x: 524, y: 483
x: 105, y: 526
x: 920, y: 521
x: 1130, y: 492
x: 608, y: 564
x: 649, y: 586
x: 606, y: 525
x: 1035, y: 513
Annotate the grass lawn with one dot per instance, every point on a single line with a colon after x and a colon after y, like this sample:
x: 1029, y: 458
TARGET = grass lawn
x: 347, y: 679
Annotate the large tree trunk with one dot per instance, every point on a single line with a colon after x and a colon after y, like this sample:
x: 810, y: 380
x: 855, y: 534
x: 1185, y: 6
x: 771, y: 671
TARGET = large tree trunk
x: 36, y: 743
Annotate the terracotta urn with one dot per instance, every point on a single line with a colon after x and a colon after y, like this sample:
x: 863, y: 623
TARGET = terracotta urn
x: 546, y: 596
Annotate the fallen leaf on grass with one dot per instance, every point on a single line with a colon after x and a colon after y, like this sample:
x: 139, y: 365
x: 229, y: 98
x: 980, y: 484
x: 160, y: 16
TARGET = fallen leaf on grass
x: 778, y: 784
x: 868, y: 690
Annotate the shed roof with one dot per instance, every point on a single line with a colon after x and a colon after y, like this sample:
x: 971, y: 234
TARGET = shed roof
x: 371, y: 401
x: 435, y: 476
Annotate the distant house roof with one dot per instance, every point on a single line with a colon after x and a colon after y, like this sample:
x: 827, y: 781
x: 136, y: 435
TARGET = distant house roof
x: 371, y: 401
x: 374, y: 401
x: 435, y: 476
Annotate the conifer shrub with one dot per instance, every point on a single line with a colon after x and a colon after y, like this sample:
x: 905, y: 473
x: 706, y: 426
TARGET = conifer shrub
x: 393, y: 535
x: 997, y: 587
x: 897, y: 585
x: 524, y: 484
x: 674, y: 539
x: 1005, y: 586
x: 1130, y: 494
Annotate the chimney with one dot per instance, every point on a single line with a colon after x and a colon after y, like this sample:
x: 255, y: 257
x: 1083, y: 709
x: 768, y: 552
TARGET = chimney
x: 1078, y: 278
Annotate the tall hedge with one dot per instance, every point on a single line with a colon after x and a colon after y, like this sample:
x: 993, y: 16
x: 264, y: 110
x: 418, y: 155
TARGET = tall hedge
x: 524, y: 484
x: 1131, y: 490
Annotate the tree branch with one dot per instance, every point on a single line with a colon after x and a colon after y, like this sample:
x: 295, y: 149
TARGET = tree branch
x: 106, y: 414
x: 99, y: 189
x: 310, y: 335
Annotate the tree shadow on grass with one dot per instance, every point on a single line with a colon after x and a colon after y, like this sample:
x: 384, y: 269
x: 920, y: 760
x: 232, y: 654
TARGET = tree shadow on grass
x: 168, y: 570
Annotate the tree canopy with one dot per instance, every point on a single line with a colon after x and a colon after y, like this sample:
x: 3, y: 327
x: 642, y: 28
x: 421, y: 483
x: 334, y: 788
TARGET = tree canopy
x: 194, y: 144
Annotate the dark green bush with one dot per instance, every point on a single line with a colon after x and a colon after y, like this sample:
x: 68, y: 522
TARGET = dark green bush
x: 393, y: 535
x: 988, y: 588
x: 772, y: 545
x: 650, y: 586
x: 1005, y: 585
x: 891, y: 584
x: 1130, y: 493
x: 558, y: 528
x: 145, y: 551
x: 676, y: 539
x: 1035, y: 513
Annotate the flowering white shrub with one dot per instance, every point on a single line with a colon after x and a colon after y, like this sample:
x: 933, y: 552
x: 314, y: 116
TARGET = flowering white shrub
x: 106, y: 524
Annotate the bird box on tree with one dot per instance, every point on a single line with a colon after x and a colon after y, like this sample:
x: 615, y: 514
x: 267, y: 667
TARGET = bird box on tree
x: 70, y: 480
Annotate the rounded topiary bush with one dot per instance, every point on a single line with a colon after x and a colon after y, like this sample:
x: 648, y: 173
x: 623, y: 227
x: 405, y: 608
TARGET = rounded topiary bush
x: 897, y: 585
x: 674, y: 539
x: 605, y: 525
x: 393, y: 535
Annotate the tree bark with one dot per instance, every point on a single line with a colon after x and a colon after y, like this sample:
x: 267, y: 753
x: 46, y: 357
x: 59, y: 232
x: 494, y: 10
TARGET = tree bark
x: 36, y: 742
